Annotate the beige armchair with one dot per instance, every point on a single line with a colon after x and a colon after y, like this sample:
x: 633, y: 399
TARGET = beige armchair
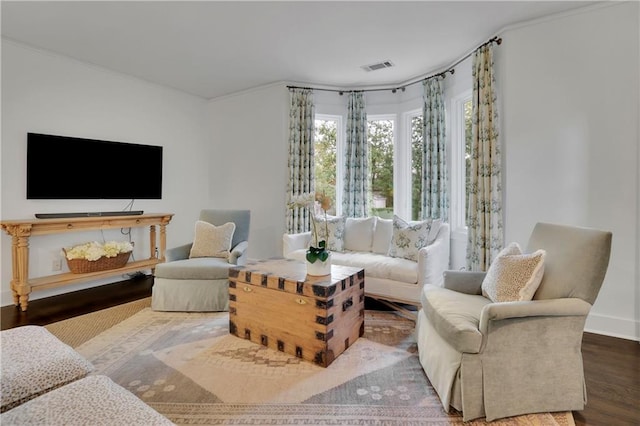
x: 201, y: 284
x: 503, y: 359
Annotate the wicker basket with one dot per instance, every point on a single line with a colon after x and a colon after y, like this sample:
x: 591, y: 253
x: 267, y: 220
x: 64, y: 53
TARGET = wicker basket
x: 82, y: 266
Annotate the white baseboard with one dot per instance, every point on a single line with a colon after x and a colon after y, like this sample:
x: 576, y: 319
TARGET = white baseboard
x: 6, y: 298
x: 612, y: 326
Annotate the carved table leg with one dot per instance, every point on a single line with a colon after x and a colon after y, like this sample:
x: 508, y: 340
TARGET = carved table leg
x: 15, y: 277
x: 152, y: 242
x: 153, y: 248
x: 22, y: 286
x: 163, y: 241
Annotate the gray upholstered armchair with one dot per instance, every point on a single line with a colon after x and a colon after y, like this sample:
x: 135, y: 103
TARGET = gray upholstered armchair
x: 200, y: 284
x: 503, y: 359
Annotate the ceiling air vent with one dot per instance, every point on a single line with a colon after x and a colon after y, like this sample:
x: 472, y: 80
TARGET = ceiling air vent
x: 378, y: 66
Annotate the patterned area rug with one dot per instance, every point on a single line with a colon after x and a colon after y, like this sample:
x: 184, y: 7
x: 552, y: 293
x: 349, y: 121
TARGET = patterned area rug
x: 188, y: 367
x: 75, y: 331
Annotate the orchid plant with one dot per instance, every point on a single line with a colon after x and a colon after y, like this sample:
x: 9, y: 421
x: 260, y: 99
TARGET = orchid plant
x: 317, y: 251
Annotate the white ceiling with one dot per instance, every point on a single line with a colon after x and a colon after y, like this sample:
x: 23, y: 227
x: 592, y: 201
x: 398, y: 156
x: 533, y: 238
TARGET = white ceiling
x: 214, y: 48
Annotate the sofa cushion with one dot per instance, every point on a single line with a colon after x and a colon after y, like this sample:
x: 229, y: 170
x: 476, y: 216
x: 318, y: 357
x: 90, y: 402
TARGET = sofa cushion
x: 514, y: 276
x: 455, y: 316
x: 409, y: 237
x: 375, y: 265
x: 93, y: 400
x: 382, y: 233
x: 335, y: 226
x: 199, y: 268
x: 211, y: 240
x: 358, y: 233
x: 34, y: 361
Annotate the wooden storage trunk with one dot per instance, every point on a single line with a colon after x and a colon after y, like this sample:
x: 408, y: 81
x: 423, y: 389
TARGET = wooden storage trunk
x: 274, y: 303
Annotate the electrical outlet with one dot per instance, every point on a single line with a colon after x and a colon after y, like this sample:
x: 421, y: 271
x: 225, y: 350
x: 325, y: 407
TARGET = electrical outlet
x: 56, y: 265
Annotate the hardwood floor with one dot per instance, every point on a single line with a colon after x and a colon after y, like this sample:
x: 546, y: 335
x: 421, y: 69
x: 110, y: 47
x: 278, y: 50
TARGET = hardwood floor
x: 612, y: 366
x: 68, y: 305
x: 612, y: 372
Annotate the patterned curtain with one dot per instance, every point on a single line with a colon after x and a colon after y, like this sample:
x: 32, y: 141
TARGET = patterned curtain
x: 301, y: 163
x: 434, y: 196
x: 485, y: 227
x: 355, y: 199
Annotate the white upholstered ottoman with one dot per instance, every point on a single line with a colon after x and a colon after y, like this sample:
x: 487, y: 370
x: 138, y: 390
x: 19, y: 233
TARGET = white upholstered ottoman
x: 34, y: 361
x: 93, y: 400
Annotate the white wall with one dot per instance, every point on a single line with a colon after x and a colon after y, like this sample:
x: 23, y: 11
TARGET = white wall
x: 569, y: 88
x: 569, y: 96
x: 568, y: 93
x: 248, y: 162
x: 45, y: 93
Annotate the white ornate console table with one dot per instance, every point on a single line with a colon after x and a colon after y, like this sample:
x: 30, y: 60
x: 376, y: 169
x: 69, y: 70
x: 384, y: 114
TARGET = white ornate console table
x: 21, y: 230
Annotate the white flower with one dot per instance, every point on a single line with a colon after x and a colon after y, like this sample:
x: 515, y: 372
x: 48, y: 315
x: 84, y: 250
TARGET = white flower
x: 114, y: 248
x: 308, y: 200
x: 302, y: 200
x: 95, y: 250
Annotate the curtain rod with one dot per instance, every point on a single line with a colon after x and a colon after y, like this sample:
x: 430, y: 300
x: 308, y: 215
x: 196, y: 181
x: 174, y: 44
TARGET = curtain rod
x: 450, y: 69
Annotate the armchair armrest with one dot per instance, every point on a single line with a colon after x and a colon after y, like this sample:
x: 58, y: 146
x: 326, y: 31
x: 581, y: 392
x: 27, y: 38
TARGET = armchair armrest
x: 178, y: 253
x: 433, y: 259
x: 464, y: 281
x: 537, y: 342
x: 236, y: 253
x: 567, y: 307
x: 293, y: 242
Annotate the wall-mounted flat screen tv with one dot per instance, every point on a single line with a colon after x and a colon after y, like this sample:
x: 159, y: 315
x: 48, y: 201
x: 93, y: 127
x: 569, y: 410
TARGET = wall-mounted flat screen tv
x: 62, y: 167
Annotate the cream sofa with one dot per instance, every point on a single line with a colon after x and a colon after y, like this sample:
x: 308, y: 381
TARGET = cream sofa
x: 366, y: 244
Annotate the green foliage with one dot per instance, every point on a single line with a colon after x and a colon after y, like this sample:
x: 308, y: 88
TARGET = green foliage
x: 325, y: 159
x: 384, y: 213
x: 417, y: 131
x: 467, y: 144
x: 380, y: 137
x: 318, y: 253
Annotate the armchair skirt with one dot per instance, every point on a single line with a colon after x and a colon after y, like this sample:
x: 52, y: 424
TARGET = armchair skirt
x: 201, y: 284
x: 193, y: 285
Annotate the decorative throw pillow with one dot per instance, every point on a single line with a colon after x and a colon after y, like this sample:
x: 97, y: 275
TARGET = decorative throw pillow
x: 409, y: 237
x: 513, y: 275
x: 358, y: 233
x: 211, y: 240
x: 335, y: 226
x: 382, y: 234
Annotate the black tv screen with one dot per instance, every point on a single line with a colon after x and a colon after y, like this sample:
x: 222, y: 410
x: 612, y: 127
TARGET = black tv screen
x: 62, y: 167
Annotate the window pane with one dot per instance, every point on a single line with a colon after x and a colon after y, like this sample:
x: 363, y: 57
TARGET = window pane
x: 467, y: 155
x: 325, y: 160
x: 416, y: 165
x: 380, y: 137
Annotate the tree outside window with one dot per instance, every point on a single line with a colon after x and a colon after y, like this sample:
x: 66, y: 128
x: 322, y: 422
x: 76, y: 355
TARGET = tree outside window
x: 325, y: 159
x: 416, y: 165
x: 467, y: 155
x: 380, y: 138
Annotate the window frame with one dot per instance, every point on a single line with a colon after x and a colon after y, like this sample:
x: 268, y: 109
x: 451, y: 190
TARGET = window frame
x: 340, y: 136
x: 397, y: 152
x: 458, y: 191
x: 408, y: 187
